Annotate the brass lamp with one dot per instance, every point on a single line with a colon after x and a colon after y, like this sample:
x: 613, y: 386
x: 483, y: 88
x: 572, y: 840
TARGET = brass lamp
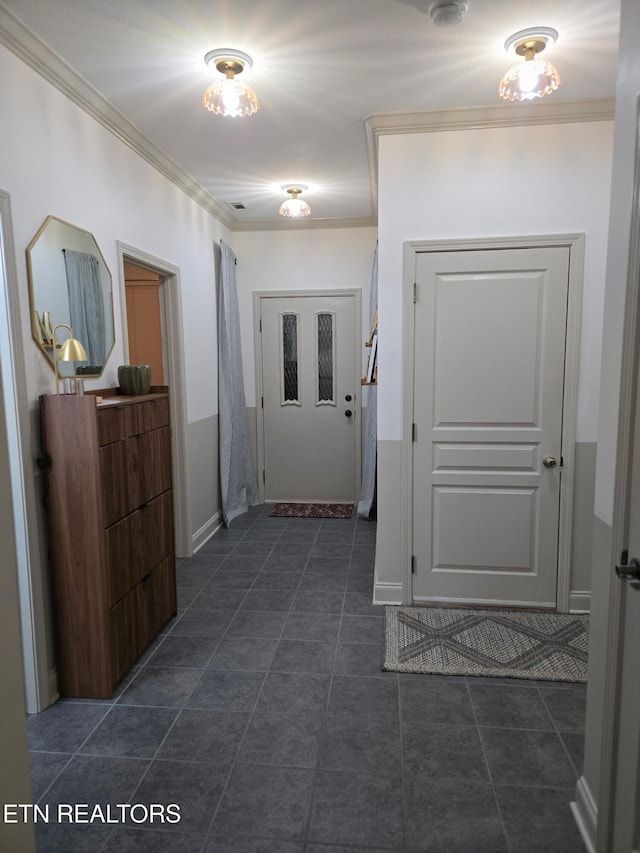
x: 70, y: 350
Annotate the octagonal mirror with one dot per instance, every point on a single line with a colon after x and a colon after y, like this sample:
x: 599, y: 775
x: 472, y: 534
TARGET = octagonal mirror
x: 70, y: 284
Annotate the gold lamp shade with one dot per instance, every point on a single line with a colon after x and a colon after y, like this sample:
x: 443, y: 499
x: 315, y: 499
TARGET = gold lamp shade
x: 70, y: 350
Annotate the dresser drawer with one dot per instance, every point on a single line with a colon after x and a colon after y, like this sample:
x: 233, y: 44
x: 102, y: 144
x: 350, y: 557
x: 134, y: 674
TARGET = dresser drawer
x: 152, y: 414
x: 136, y: 544
x: 115, y: 423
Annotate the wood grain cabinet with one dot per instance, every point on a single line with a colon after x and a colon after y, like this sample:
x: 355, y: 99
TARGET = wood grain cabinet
x: 110, y: 511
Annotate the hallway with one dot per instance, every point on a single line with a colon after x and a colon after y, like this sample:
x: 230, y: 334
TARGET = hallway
x: 264, y: 714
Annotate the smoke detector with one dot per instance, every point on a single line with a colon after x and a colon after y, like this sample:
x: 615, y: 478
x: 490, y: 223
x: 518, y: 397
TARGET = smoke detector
x: 448, y: 14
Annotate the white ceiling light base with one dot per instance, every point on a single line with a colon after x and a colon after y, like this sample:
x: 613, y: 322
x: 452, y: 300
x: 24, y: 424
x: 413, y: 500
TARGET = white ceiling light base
x: 545, y: 34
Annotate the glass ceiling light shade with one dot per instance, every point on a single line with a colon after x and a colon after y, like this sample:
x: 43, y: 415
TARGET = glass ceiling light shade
x: 534, y: 77
x: 294, y: 206
x: 228, y: 96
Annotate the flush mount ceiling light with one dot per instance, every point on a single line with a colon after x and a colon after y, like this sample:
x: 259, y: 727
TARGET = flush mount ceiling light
x: 534, y: 77
x: 228, y: 96
x: 294, y: 206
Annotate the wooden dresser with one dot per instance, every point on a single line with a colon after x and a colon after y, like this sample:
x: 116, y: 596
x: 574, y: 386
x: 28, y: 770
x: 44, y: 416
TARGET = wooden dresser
x: 111, y: 545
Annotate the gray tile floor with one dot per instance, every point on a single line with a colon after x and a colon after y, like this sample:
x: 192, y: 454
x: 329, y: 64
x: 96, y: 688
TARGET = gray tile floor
x: 262, y: 711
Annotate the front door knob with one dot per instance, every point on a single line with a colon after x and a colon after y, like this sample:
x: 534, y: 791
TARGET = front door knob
x: 550, y: 462
x: 347, y: 413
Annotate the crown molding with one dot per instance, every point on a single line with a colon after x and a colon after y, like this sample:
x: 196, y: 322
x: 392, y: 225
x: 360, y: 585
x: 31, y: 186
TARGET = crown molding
x: 304, y: 224
x: 474, y: 118
x: 38, y: 55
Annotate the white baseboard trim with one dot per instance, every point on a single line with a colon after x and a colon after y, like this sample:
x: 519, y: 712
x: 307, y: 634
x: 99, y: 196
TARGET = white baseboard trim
x: 580, y: 601
x: 206, y: 531
x: 585, y: 814
x: 387, y: 593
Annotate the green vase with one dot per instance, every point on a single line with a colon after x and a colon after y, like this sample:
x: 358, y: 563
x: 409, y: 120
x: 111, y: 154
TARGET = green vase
x: 134, y: 378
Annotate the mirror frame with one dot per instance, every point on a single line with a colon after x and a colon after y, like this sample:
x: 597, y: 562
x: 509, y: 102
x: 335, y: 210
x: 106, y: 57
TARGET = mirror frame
x: 32, y: 301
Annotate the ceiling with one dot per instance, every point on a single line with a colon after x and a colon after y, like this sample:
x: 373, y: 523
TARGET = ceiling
x: 321, y: 68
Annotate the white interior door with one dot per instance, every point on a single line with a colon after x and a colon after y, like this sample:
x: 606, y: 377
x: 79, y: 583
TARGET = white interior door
x: 311, y: 411
x: 489, y: 352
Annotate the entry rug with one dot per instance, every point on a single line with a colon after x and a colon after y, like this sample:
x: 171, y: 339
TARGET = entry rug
x: 312, y: 510
x: 511, y: 644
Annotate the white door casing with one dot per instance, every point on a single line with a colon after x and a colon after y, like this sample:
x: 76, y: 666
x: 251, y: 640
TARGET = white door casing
x: 307, y: 356
x: 485, y: 388
x: 625, y: 824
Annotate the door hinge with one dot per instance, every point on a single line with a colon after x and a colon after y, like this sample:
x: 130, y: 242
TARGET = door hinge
x: 262, y: 402
x: 415, y: 292
x: 413, y: 565
x: 414, y: 432
x: 264, y: 479
x: 260, y: 325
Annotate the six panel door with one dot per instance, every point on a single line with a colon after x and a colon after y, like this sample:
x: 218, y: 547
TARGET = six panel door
x: 489, y: 351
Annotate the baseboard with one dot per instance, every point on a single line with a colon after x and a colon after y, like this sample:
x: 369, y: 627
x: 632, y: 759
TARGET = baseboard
x: 206, y: 531
x: 585, y: 814
x: 387, y: 593
x: 580, y: 602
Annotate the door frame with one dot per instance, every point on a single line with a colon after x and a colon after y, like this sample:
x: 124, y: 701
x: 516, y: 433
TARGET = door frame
x: 575, y: 243
x: 597, y: 821
x: 258, y: 296
x: 173, y: 346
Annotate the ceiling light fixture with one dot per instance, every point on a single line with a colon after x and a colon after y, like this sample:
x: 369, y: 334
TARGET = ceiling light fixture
x: 230, y: 97
x: 534, y: 77
x: 294, y: 206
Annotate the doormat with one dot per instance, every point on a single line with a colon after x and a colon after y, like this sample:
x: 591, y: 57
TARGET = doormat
x: 505, y: 644
x: 312, y: 510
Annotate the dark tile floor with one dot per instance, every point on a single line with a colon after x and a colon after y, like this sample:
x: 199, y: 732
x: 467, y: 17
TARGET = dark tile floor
x: 262, y: 711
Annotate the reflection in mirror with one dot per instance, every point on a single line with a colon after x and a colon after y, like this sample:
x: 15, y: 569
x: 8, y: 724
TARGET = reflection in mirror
x: 70, y: 283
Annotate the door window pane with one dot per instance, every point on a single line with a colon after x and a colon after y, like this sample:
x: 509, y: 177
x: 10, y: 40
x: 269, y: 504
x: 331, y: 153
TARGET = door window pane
x: 290, y: 357
x: 325, y: 358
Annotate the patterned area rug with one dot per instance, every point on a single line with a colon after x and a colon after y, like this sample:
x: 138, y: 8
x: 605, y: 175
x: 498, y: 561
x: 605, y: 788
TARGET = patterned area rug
x: 513, y: 644
x: 312, y: 510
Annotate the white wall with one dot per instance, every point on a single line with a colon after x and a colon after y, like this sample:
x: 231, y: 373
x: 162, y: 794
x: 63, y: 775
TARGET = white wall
x: 299, y: 259
x: 56, y: 159
x: 495, y: 182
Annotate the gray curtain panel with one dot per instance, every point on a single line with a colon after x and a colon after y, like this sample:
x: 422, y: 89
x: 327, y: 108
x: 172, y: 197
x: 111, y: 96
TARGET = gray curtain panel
x: 86, y: 305
x: 370, y: 452
x: 238, y: 483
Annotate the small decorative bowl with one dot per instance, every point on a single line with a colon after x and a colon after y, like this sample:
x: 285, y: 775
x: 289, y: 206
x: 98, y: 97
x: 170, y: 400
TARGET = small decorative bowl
x: 134, y: 378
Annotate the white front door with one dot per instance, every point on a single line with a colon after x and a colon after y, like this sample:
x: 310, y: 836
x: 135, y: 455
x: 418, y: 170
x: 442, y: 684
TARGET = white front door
x: 311, y: 404
x: 489, y: 353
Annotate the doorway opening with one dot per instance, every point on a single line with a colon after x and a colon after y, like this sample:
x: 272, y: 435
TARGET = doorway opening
x: 152, y: 329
